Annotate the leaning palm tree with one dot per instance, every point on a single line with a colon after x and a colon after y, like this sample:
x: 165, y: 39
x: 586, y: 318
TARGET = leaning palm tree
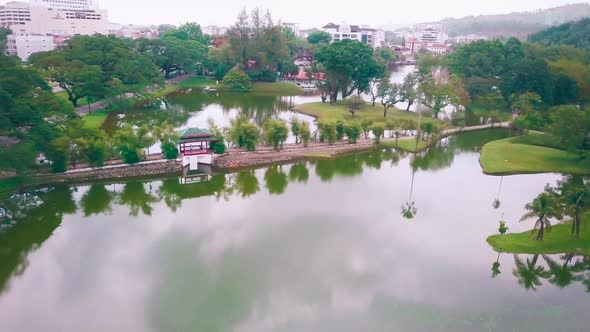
x: 543, y: 209
x: 529, y: 274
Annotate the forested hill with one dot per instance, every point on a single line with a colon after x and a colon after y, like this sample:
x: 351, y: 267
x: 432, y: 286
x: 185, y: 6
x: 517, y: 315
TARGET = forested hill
x: 516, y: 24
x: 576, y: 34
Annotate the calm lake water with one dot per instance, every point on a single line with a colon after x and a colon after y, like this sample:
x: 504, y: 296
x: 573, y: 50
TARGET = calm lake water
x: 318, y: 246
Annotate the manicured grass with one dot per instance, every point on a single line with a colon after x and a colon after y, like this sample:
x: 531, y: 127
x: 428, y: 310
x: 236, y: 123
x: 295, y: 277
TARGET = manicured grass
x: 339, y: 111
x: 95, y: 120
x: 277, y: 88
x: 408, y: 145
x: 516, y: 155
x: 558, y: 241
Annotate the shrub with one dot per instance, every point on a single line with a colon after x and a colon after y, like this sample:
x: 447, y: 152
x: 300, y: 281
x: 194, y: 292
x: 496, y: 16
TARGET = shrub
x: 339, y: 130
x: 218, y: 147
x: 378, y: 130
x: 169, y: 150
x: 305, y: 134
x: 353, y: 132
x: 275, y: 133
x: 328, y: 131
x: 237, y: 80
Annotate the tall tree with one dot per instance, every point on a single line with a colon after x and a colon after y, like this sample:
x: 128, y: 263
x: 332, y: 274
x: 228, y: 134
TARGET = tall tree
x: 319, y: 37
x: 574, y: 194
x: 350, y: 64
x: 440, y: 93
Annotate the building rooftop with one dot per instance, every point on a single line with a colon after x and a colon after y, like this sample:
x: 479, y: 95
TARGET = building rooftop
x: 195, y: 135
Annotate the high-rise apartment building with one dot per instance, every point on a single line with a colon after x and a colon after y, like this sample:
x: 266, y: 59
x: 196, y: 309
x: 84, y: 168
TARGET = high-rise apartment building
x: 37, y: 26
x: 14, y: 13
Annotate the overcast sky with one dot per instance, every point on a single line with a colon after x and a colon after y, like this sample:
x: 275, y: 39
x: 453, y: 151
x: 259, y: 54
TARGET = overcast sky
x: 313, y: 13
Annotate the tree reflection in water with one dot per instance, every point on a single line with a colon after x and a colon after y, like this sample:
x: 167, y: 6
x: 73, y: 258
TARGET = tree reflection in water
x: 558, y: 270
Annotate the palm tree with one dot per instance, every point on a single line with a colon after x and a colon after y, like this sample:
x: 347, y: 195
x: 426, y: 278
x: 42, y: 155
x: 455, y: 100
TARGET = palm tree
x: 542, y: 208
x: 575, y: 194
x: 529, y: 274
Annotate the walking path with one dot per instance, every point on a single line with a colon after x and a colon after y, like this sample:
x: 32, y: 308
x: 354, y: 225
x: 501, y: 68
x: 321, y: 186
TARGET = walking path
x: 236, y: 158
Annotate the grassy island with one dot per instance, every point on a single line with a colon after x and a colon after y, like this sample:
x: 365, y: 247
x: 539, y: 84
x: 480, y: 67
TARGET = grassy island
x: 339, y: 111
x: 558, y: 241
x: 532, y: 153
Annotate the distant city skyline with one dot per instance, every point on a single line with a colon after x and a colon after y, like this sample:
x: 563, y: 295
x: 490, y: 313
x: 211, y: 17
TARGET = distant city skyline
x: 312, y: 13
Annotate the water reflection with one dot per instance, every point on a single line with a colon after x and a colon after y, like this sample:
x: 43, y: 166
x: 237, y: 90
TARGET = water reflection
x: 559, y: 270
x: 291, y: 245
x: 192, y: 108
x: 31, y: 230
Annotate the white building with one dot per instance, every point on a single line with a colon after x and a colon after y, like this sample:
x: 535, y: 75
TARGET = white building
x: 427, y: 33
x: 214, y: 30
x: 67, y: 4
x: 65, y: 22
x: 25, y: 45
x: 364, y: 34
x: 14, y: 13
x: 294, y: 27
x: 45, y: 24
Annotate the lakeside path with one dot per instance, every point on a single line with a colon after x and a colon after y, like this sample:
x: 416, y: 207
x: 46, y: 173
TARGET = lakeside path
x: 236, y: 158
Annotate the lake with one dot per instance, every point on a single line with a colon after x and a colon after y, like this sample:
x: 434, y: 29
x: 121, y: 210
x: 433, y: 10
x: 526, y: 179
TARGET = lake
x: 381, y: 241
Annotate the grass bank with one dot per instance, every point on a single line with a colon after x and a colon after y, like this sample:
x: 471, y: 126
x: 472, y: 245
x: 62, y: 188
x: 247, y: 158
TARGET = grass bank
x: 558, y: 241
x: 532, y: 153
x: 339, y: 111
x: 276, y: 89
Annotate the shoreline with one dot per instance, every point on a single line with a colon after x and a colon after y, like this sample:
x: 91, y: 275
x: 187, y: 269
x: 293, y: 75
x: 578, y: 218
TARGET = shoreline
x: 236, y: 159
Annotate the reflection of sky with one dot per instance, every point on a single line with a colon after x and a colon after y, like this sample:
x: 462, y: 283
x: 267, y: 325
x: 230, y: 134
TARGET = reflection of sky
x: 334, y: 256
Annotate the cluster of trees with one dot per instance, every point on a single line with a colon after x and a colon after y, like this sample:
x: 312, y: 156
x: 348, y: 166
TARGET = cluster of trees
x: 496, y: 72
x: 548, y: 86
x: 95, y: 67
x: 245, y: 134
x: 514, y: 24
x: 575, y: 34
x: 177, y: 50
x: 569, y: 198
x: 254, y: 43
x: 35, y: 121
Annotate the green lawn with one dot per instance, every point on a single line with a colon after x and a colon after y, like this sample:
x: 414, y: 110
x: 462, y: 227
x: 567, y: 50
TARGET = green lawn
x: 529, y: 154
x: 276, y: 89
x: 95, y: 120
x: 408, y: 145
x: 559, y: 240
x: 339, y: 111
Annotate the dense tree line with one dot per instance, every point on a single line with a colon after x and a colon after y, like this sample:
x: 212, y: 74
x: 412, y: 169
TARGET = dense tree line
x: 575, y: 34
